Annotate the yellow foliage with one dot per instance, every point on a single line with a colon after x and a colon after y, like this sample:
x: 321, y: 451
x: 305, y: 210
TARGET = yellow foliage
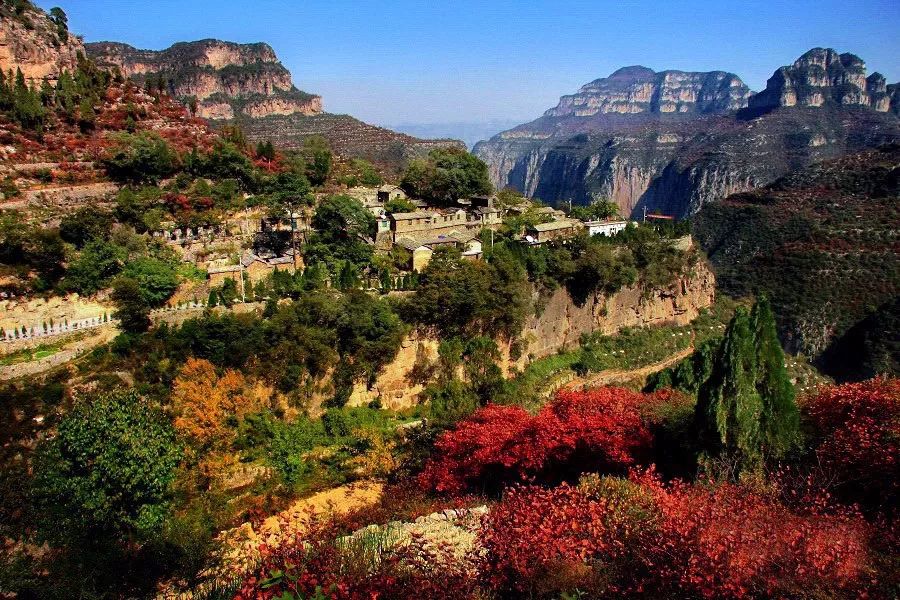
x: 206, y: 405
x: 378, y: 460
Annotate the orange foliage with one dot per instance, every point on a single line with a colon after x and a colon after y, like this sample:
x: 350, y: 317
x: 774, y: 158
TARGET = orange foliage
x: 206, y: 404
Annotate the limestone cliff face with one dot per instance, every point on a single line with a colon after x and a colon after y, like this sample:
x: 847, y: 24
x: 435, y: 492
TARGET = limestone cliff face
x: 227, y: 79
x: 670, y: 142
x: 634, y: 90
x: 30, y: 41
x: 559, y: 325
x: 823, y: 76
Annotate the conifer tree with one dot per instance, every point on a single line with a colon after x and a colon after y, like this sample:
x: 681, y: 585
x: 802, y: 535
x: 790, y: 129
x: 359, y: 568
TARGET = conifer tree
x: 780, y: 419
x: 746, y: 409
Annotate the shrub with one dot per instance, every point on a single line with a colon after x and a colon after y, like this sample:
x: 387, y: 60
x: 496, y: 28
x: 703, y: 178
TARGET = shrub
x: 578, y: 431
x: 856, y: 441
x: 140, y: 158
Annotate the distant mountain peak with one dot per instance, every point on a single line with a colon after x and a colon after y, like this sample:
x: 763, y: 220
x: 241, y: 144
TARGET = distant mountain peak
x: 639, y: 90
x: 823, y: 76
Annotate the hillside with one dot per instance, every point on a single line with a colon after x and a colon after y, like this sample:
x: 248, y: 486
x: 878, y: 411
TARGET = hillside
x: 225, y: 79
x: 36, y: 43
x: 246, y: 84
x: 821, y: 242
x: 670, y: 142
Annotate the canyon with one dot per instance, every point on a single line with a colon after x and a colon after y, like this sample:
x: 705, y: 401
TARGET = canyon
x: 672, y: 141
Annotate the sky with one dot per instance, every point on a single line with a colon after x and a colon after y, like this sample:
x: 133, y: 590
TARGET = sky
x: 464, y: 61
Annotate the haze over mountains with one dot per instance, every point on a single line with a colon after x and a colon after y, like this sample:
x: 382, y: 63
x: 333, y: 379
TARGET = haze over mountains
x: 671, y: 141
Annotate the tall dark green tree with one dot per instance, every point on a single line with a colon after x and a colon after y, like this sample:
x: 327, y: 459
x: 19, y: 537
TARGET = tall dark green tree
x: 746, y: 409
x: 780, y: 418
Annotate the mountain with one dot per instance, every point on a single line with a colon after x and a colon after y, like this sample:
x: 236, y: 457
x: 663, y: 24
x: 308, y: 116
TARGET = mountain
x: 672, y: 141
x: 822, y: 243
x: 227, y: 79
x: 34, y: 42
x: 247, y: 85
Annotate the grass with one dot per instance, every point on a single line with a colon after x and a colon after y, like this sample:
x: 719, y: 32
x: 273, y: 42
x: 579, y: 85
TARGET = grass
x: 30, y: 354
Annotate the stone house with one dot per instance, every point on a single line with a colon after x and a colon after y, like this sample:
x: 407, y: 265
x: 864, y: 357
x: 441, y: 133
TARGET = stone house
x: 389, y: 192
x: 554, y: 230
x: 421, y: 250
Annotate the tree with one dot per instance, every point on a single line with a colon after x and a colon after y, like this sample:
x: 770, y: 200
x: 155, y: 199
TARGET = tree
x: 140, y: 158
x: 157, y: 278
x: 265, y: 150
x: 97, y: 264
x: 289, y: 192
x: 209, y: 407
x: 343, y: 231
x: 109, y: 470
x: 317, y: 154
x: 133, y: 309
x: 746, y: 409
x: 86, y: 224
x: 447, y: 175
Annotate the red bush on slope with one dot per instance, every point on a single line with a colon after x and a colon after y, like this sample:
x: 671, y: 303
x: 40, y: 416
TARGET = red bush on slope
x: 646, y: 539
x: 856, y: 439
x: 579, y: 431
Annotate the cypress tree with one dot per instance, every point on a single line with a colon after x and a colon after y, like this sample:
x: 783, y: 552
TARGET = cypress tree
x: 780, y: 419
x: 747, y: 409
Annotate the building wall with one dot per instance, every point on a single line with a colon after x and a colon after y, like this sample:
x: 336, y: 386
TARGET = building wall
x: 420, y: 258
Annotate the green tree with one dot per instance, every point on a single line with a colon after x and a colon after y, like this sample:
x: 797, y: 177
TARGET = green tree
x: 108, y: 471
x: 99, y: 262
x: 157, y: 278
x: 779, y: 419
x: 288, y: 193
x: 133, y: 309
x: 746, y: 409
x: 318, y: 157
x: 447, y: 175
x: 343, y: 231
x: 86, y: 224
x: 140, y: 158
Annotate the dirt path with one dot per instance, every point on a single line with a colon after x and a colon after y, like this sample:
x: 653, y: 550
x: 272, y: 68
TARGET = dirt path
x: 620, y: 376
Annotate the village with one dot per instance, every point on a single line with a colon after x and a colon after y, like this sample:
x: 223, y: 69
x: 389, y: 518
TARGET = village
x: 418, y: 229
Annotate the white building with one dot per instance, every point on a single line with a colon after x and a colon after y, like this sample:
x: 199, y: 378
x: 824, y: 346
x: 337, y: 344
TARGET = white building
x: 607, y: 228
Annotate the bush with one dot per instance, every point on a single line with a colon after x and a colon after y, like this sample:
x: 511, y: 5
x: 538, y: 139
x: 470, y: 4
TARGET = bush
x: 855, y: 445
x: 601, y: 429
x: 140, y: 158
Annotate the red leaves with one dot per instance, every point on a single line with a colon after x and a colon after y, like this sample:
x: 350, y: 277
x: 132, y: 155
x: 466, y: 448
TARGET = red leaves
x: 599, y: 430
x: 616, y: 538
x: 857, y: 446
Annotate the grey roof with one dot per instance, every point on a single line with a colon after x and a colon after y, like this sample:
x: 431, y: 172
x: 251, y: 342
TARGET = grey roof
x: 463, y: 236
x: 555, y: 225
x: 409, y: 243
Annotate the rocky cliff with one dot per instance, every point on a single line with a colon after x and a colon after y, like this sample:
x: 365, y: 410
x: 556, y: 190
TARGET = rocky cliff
x: 823, y: 76
x: 635, y: 90
x: 671, y: 142
x: 225, y: 78
x: 559, y: 325
x: 33, y: 42
x: 246, y: 84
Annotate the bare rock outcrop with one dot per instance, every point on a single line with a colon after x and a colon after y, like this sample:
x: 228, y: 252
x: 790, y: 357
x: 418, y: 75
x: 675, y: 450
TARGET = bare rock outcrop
x: 672, y: 141
x: 32, y: 42
x: 225, y: 78
x: 823, y: 76
x: 559, y: 325
x: 633, y: 90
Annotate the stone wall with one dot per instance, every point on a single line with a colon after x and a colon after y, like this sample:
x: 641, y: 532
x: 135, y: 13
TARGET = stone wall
x: 559, y: 325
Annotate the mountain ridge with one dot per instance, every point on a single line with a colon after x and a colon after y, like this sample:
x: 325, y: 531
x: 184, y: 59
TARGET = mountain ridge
x: 610, y: 140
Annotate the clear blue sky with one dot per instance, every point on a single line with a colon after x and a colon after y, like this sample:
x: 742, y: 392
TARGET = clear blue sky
x: 468, y: 61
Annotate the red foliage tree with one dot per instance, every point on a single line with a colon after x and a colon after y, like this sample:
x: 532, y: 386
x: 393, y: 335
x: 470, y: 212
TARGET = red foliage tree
x: 856, y: 444
x: 600, y: 430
